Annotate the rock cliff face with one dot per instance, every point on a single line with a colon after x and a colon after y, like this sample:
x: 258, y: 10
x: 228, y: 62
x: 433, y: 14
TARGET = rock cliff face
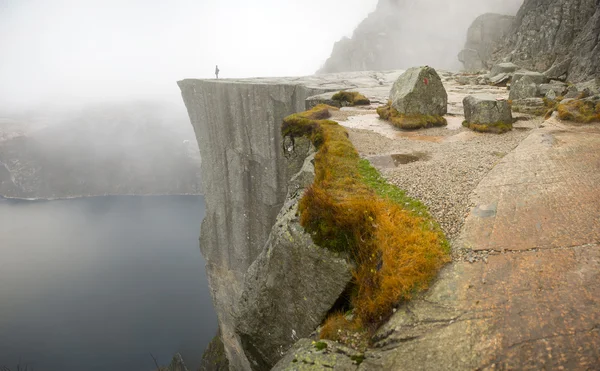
x: 245, y: 177
x: 557, y: 36
x: 246, y: 173
x: 405, y: 33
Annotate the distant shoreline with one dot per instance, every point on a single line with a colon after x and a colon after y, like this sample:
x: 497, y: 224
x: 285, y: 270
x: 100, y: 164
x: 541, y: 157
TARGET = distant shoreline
x: 3, y: 197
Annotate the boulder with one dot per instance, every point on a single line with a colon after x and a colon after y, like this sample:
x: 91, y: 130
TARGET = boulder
x: 290, y: 287
x: 572, y: 92
x: 419, y: 91
x: 531, y: 106
x: 558, y: 88
x: 550, y: 95
x: 523, y: 88
x: 536, y: 77
x: 501, y: 79
x: 486, y: 109
x: 559, y: 70
x: 503, y: 68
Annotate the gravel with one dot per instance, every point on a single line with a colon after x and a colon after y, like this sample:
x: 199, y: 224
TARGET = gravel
x: 452, y: 169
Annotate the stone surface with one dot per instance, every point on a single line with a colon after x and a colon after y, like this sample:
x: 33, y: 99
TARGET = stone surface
x: 214, y: 357
x: 290, y: 287
x: 536, y: 77
x: 523, y: 88
x: 557, y: 87
x: 556, y: 36
x: 419, y: 91
x: 486, y: 109
x: 482, y: 37
x: 245, y: 180
x: 504, y: 68
x: 531, y: 106
x: 305, y: 356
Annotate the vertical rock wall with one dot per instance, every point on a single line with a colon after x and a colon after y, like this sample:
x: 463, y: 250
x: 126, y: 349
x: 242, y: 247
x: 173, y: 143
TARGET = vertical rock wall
x: 237, y: 125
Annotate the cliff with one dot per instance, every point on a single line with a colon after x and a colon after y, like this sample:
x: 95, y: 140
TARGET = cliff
x: 403, y: 33
x: 246, y: 174
x: 556, y: 36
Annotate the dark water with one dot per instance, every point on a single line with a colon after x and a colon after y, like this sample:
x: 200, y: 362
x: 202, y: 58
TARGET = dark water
x: 100, y: 283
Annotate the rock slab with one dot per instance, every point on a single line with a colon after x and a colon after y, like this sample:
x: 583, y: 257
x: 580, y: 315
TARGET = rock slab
x: 419, y: 91
x: 486, y: 109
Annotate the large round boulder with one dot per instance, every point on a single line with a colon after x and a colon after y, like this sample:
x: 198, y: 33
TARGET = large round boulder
x: 524, y: 88
x: 419, y: 91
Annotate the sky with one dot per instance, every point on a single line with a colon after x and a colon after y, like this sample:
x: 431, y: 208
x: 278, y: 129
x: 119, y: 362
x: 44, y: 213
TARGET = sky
x: 57, y: 52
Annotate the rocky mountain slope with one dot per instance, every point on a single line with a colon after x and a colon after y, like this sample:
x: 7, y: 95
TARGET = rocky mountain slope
x: 558, y: 36
x: 129, y: 148
x: 403, y: 33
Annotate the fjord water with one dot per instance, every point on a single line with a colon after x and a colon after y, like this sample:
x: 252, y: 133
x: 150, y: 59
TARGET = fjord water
x: 101, y: 283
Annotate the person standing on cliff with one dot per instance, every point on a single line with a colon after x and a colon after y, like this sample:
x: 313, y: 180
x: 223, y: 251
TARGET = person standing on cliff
x: 217, y: 71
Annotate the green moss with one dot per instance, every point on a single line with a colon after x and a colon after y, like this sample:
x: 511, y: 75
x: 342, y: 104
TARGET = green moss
x: 358, y: 359
x: 496, y: 128
x: 409, y: 122
x: 350, y: 98
x: 320, y: 345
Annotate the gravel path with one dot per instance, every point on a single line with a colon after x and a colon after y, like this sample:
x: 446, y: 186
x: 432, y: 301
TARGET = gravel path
x: 451, y: 164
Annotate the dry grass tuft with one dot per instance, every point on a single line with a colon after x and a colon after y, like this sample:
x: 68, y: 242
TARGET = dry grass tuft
x: 580, y: 111
x: 396, y: 245
x: 409, y: 122
x: 496, y: 128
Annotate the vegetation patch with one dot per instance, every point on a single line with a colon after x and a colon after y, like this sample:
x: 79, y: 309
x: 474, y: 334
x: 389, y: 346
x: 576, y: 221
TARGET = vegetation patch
x: 351, y: 98
x: 409, y: 122
x: 581, y: 111
x: 320, y: 345
x: 396, y: 245
x: 496, y: 128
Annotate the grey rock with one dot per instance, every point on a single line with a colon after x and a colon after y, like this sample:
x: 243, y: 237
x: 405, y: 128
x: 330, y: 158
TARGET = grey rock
x: 559, y: 70
x: 305, y: 356
x: 572, y: 92
x: 177, y: 364
x: 290, y: 287
x: 504, y: 68
x: 593, y: 86
x: 536, y: 77
x: 471, y: 60
x: 419, y: 91
x: 558, y: 88
x: 482, y: 36
x: 214, y: 357
x: 551, y: 95
x: 245, y: 175
x: 523, y: 88
x: 556, y: 36
x: 484, y: 109
x: 500, y: 79
x: 532, y: 106
x: 324, y: 98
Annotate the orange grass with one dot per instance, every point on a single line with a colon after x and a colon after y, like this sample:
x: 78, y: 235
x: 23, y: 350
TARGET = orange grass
x: 397, y: 249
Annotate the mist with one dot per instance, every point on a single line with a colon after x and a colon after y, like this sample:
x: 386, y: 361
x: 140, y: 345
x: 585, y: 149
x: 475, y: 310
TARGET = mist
x: 66, y: 52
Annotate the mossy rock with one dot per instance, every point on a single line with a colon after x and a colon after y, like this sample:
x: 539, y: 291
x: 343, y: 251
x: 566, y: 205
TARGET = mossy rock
x: 582, y: 111
x: 409, y: 122
x: 495, y: 128
x: 351, y: 98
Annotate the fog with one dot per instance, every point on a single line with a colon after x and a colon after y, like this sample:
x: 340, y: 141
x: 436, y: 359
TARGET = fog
x: 55, y: 52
